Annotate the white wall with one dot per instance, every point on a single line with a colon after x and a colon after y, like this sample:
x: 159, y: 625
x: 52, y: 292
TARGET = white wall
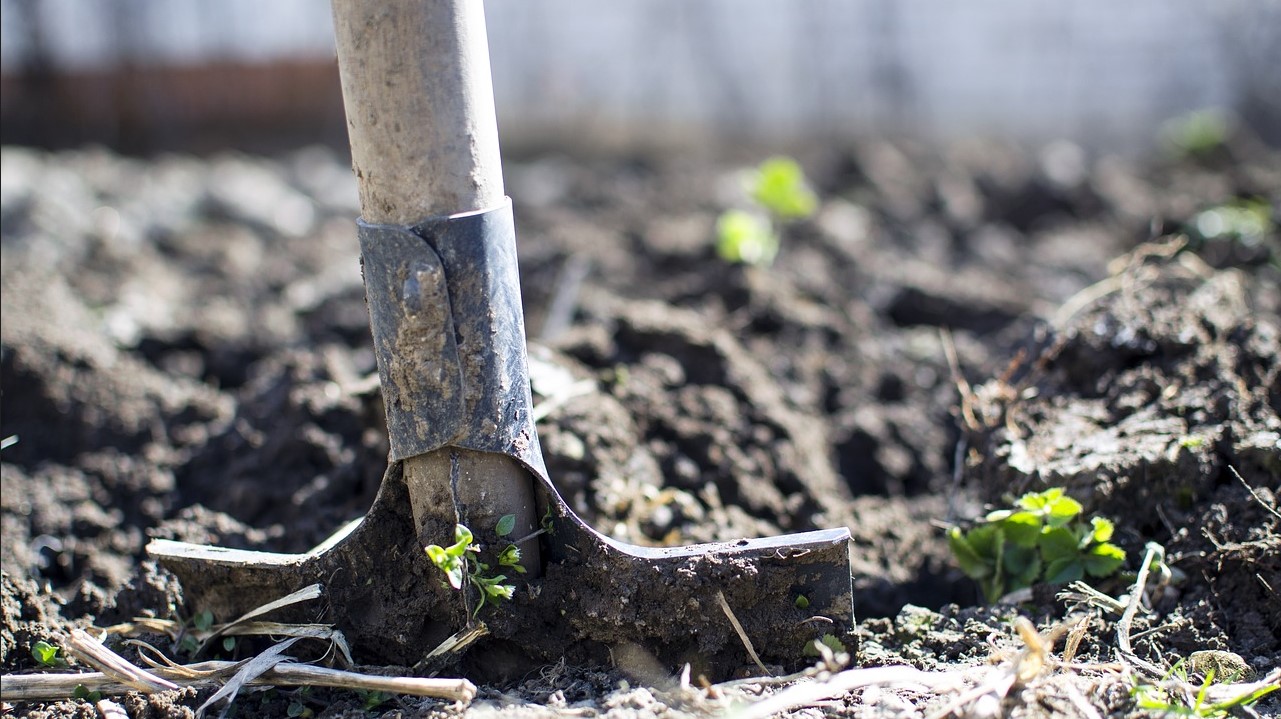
x: 1102, y: 71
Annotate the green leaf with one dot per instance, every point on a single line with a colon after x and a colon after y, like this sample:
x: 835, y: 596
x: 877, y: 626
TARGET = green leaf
x: 779, y: 186
x: 82, y: 692
x: 1102, y: 529
x: 505, y: 525
x: 1036, y: 501
x: 986, y: 539
x: 203, y: 621
x: 1062, y: 510
x: 45, y: 653
x: 1022, y: 528
x: 228, y: 644
x: 802, y: 601
x: 974, y: 565
x: 451, y: 565
x: 1022, y: 566
x: 746, y: 238
x: 1058, y: 543
x: 1064, y: 570
x: 438, y: 555
x: 1103, y: 559
x: 462, y: 541
x: 998, y: 515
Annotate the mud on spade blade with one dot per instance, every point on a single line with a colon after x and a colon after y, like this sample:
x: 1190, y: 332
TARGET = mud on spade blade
x: 444, y: 302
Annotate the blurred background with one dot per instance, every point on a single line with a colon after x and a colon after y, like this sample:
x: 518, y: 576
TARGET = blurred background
x: 143, y: 76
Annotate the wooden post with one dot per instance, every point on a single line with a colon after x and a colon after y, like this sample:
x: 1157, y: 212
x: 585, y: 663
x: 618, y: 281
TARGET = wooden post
x: 424, y: 143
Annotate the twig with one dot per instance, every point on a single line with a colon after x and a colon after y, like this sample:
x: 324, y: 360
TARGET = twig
x: 742, y: 635
x: 94, y: 653
x: 962, y: 386
x: 45, y: 687
x: 1253, y: 493
x: 1155, y: 551
x: 808, y: 693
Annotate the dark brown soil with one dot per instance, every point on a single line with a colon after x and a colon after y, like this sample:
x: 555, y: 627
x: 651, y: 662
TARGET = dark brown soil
x: 186, y: 355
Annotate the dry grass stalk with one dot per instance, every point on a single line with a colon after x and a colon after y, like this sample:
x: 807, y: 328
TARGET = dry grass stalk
x: 92, y: 652
x: 742, y: 634
x: 52, y: 687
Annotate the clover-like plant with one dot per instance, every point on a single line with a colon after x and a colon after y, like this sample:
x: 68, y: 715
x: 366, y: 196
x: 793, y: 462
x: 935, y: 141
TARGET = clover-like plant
x: 460, y: 562
x: 1043, y: 539
x: 778, y: 192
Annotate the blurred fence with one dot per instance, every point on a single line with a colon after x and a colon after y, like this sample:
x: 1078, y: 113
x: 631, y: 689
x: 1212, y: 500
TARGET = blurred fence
x: 151, y: 73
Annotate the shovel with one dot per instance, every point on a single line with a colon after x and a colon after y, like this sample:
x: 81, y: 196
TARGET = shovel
x: 439, y: 259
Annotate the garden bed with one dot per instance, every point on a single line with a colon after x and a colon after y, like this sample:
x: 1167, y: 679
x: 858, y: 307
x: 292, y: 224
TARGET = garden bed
x: 186, y: 355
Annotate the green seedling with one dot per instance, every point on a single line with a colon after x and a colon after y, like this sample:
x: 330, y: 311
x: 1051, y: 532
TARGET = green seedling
x: 47, y: 655
x: 778, y: 192
x: 1197, y: 133
x: 779, y: 186
x: 746, y: 238
x: 827, y: 640
x: 371, y: 699
x: 82, y: 693
x: 461, y: 562
x: 1246, y: 221
x: 1043, y: 540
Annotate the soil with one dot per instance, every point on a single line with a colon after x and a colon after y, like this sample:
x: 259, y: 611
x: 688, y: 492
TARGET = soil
x: 186, y: 355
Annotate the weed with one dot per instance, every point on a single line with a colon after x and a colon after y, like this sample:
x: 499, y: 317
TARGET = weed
x: 461, y: 561
x: 47, y: 655
x: 778, y: 192
x: 1044, y: 539
x: 82, y: 693
x: 1173, y: 702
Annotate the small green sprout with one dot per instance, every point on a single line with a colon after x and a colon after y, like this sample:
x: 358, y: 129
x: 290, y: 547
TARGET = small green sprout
x: 827, y: 640
x: 203, y: 621
x: 746, y: 237
x: 46, y: 655
x: 802, y: 601
x: 461, y: 560
x: 1191, y: 441
x: 1247, y: 221
x: 82, y: 693
x: 1044, y: 539
x: 371, y: 699
x: 1196, y: 133
x: 779, y: 186
x: 778, y: 192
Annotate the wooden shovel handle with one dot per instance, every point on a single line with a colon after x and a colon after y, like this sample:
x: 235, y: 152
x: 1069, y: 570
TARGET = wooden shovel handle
x: 420, y: 107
